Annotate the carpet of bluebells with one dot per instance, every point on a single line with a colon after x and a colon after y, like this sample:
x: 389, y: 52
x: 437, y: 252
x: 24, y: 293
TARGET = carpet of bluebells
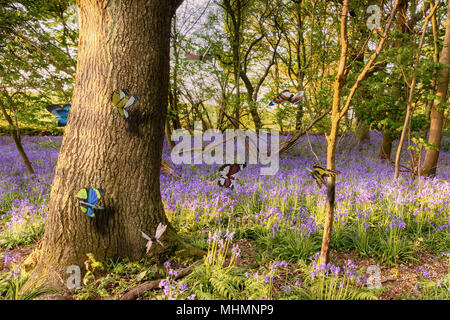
x: 281, y: 216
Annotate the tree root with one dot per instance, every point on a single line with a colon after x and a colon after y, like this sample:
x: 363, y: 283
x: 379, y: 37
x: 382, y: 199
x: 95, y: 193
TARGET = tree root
x: 154, y: 284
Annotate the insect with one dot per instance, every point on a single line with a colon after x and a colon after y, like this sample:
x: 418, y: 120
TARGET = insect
x: 88, y: 199
x: 286, y: 95
x: 159, y: 231
x: 319, y: 174
x: 193, y: 57
x: 203, y: 57
x: 60, y: 113
x: 227, y: 172
x: 122, y: 100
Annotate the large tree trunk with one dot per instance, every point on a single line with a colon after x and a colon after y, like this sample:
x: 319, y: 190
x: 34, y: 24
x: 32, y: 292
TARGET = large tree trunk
x: 123, y: 44
x: 437, y: 113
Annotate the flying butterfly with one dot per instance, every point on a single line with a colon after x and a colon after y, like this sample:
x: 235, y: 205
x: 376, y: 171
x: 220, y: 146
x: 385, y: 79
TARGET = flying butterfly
x: 227, y: 172
x: 203, y: 57
x: 286, y: 95
x: 122, y: 100
x: 88, y: 199
x: 60, y: 112
x: 159, y: 231
x: 194, y: 57
x: 319, y: 174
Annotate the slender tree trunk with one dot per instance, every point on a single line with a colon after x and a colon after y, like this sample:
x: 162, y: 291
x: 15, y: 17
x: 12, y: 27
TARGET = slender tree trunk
x: 411, y: 95
x: 397, y: 87
x: 339, y: 82
x: 123, y: 44
x: 337, y: 114
x: 437, y: 113
x: 17, y: 140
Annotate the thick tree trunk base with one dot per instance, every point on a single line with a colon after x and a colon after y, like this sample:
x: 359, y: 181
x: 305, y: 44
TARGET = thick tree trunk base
x: 45, y: 269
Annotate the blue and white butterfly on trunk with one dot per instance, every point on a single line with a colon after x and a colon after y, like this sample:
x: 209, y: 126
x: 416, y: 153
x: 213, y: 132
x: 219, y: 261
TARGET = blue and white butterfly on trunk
x: 60, y: 113
x: 159, y: 231
x: 88, y: 199
x: 122, y: 100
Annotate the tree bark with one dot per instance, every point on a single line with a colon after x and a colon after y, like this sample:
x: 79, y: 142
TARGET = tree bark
x: 362, y: 132
x: 337, y: 114
x: 339, y: 82
x: 386, y: 145
x: 17, y: 141
x: 437, y: 113
x: 411, y: 95
x: 123, y: 44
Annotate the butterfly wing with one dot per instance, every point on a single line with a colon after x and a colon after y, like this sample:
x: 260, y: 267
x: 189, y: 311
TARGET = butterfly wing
x: 283, y: 96
x: 160, y: 230
x: 62, y: 122
x: 325, y: 172
x: 90, y: 212
x: 191, y: 57
x: 224, y: 170
x: 52, y: 108
x: 221, y: 182
x: 131, y: 100
x: 235, y: 168
x: 115, y: 97
x: 94, y: 196
x: 149, y: 245
x: 295, y: 99
x: 146, y: 236
x: 84, y: 207
x: 82, y: 196
x: 318, y: 178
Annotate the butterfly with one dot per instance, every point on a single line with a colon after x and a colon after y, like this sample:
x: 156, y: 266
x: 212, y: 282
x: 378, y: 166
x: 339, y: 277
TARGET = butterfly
x: 122, y: 100
x: 88, y: 199
x: 286, y: 95
x: 159, y: 231
x: 60, y: 113
x: 227, y: 172
x: 319, y: 174
x: 193, y: 57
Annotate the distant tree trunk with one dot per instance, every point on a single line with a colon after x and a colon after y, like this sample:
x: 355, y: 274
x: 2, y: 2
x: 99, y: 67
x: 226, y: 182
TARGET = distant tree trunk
x: 17, y: 140
x: 362, y: 132
x: 301, y: 62
x: 437, y: 113
x: 397, y: 86
x: 168, y: 133
x: 123, y: 44
x: 386, y: 145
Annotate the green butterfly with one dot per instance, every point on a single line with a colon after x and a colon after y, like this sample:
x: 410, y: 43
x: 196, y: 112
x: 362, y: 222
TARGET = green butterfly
x: 122, y: 100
